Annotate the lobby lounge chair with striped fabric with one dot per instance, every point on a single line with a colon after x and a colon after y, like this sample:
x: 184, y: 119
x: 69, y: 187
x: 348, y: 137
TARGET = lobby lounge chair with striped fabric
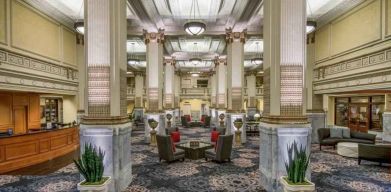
x: 222, y: 151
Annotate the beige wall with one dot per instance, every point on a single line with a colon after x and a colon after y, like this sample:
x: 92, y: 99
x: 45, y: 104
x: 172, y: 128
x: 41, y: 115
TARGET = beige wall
x: 194, y: 103
x: 3, y: 25
x: 69, y: 108
x: 359, y: 27
x: 35, y: 34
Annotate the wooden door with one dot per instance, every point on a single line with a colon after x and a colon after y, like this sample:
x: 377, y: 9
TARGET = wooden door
x: 359, y: 117
x: 6, y: 120
x: 20, y: 119
x: 34, y: 115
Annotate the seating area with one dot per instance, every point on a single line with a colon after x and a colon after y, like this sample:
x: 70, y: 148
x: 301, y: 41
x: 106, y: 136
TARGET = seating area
x: 332, y: 136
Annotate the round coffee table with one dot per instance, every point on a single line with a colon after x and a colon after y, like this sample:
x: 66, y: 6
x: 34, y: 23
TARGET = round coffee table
x: 347, y: 149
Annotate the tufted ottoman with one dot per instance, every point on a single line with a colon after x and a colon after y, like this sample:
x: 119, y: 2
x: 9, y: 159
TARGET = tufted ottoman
x: 347, y: 149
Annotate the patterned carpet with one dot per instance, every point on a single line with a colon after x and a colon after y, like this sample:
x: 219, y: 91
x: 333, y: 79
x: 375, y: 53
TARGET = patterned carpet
x: 330, y: 172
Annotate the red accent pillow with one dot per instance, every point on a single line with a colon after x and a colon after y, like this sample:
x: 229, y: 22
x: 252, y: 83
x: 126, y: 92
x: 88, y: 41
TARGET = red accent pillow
x: 203, y: 119
x: 172, y: 145
x: 214, y: 136
x: 176, y: 136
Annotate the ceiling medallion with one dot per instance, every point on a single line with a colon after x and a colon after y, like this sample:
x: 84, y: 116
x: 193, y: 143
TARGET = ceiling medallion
x: 194, y: 27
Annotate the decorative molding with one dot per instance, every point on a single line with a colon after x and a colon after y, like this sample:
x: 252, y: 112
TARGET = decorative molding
x: 37, y: 65
x: 363, y: 62
x: 219, y: 60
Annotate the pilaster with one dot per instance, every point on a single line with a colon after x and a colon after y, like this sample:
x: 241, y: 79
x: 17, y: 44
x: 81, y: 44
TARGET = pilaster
x: 169, y: 83
x: 221, y: 86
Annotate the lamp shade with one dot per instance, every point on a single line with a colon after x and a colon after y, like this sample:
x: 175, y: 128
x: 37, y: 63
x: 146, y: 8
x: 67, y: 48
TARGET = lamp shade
x: 195, y: 28
x: 79, y: 27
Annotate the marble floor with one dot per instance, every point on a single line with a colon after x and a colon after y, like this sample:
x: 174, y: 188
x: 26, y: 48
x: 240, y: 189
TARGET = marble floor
x: 330, y: 172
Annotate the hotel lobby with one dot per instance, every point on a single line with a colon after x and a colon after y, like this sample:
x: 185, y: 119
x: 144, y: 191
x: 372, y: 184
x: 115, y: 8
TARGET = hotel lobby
x: 195, y: 95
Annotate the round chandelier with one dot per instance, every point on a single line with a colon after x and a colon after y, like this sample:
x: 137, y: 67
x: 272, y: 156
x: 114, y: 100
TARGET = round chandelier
x: 79, y: 27
x: 194, y: 27
x: 132, y: 59
x: 257, y: 60
x: 195, y: 60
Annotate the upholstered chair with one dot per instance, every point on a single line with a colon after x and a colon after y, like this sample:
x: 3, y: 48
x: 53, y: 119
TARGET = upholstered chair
x: 184, y: 122
x: 222, y: 151
x: 207, y: 121
x: 167, y: 150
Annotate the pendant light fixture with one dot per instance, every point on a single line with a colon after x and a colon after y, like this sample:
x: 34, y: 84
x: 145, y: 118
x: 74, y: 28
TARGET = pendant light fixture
x: 195, y: 60
x: 311, y: 25
x: 132, y: 59
x: 194, y: 27
x: 79, y: 24
x: 257, y: 60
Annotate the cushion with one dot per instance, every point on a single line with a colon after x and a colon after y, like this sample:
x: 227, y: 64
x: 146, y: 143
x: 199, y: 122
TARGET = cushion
x: 336, y: 133
x: 330, y: 141
x: 172, y: 145
x: 214, y: 136
x: 176, y: 136
x: 346, y: 133
x: 365, y: 136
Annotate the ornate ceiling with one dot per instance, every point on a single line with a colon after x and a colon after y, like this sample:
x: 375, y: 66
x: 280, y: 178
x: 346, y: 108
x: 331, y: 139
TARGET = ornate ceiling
x: 171, y: 15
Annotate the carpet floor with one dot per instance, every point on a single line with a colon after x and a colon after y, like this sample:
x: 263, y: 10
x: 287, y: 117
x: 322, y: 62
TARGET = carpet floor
x: 330, y: 172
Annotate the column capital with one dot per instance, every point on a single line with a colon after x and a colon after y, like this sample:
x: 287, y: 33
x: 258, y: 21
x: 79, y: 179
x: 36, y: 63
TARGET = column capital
x: 219, y: 60
x: 169, y: 60
x: 154, y: 36
x: 139, y: 73
x: 249, y: 73
x: 231, y: 36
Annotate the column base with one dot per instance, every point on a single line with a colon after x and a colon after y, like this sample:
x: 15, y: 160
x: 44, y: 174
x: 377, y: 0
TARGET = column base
x: 172, y: 122
x: 231, y: 129
x: 387, y: 126
x: 274, y: 139
x: 80, y: 114
x: 114, y: 140
x: 251, y: 111
x: 159, y: 117
x: 317, y: 120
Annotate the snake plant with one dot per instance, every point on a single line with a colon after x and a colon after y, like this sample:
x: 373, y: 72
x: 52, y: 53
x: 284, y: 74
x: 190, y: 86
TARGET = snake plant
x: 90, y: 165
x: 297, y: 164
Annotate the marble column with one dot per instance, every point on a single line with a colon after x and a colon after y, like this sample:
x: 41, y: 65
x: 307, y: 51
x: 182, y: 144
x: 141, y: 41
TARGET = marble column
x: 212, y: 108
x: 235, y: 81
x: 177, y: 88
x: 139, y: 95
x: 169, y: 89
x: 105, y: 123
x: 314, y: 103
x: 387, y: 119
x: 251, y: 94
x: 284, y: 120
x: 221, y: 87
x: 154, y: 83
x: 81, y: 65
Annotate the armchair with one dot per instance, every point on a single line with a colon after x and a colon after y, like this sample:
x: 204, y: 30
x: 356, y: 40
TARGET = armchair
x: 207, y: 121
x: 223, y: 149
x: 167, y: 149
x: 184, y: 122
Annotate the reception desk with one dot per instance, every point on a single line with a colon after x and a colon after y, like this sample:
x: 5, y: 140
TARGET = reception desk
x: 22, y: 150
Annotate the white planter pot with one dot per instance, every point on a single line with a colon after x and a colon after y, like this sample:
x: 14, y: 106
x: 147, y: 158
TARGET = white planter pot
x: 297, y: 188
x: 94, y: 188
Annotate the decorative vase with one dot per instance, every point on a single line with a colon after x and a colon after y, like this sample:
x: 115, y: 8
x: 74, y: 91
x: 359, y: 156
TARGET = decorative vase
x: 238, y: 132
x: 104, y: 187
x: 153, y: 125
x: 169, y: 117
x: 221, y: 117
x: 296, y: 187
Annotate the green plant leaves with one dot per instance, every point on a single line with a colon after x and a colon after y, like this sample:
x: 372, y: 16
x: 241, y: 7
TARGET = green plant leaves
x: 297, y: 163
x: 90, y: 165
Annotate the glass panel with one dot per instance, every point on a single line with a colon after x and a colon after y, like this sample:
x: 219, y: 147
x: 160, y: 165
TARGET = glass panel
x: 359, y: 100
x: 378, y: 99
x: 341, y: 117
x: 377, y: 117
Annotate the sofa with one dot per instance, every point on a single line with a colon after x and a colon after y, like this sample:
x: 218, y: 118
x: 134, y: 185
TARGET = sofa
x: 327, y: 139
x: 376, y: 153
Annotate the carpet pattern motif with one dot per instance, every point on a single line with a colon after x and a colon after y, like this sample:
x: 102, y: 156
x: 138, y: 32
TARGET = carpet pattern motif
x: 330, y: 172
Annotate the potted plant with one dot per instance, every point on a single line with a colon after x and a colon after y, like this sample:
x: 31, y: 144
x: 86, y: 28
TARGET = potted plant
x: 90, y: 165
x: 221, y: 117
x: 153, y: 124
x: 169, y: 117
x: 296, y: 168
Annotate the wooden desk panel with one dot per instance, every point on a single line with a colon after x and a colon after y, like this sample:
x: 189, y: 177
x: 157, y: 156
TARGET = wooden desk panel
x: 29, y: 149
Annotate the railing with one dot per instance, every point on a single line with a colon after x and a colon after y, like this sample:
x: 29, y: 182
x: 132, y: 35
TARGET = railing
x: 258, y: 91
x: 195, y: 91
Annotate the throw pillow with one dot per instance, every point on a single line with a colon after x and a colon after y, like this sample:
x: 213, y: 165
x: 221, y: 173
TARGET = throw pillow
x: 172, y: 145
x: 176, y: 136
x: 346, y: 133
x: 336, y: 133
x: 214, y: 136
